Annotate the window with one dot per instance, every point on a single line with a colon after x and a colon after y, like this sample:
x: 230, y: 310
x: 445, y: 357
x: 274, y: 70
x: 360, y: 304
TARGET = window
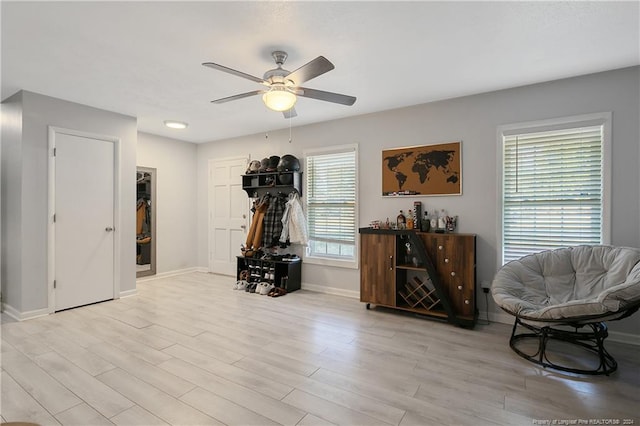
x: 554, y: 186
x: 331, y: 206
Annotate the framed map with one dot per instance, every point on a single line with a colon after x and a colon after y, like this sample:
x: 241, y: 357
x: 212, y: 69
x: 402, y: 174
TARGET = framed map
x: 422, y: 170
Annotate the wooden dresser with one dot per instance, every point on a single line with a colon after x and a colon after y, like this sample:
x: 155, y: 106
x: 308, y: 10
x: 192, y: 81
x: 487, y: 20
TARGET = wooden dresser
x: 427, y: 273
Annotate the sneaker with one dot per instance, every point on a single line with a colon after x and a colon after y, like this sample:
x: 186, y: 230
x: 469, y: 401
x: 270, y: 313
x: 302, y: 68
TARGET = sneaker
x: 242, y: 284
x: 268, y: 289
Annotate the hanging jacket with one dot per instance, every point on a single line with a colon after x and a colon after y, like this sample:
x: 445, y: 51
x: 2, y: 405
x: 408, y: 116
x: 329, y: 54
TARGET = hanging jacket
x: 284, y: 235
x: 297, y: 222
x: 273, y: 222
x: 254, y: 236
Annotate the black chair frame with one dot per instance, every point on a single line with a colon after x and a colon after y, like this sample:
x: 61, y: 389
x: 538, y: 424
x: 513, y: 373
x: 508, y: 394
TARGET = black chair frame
x: 591, y: 340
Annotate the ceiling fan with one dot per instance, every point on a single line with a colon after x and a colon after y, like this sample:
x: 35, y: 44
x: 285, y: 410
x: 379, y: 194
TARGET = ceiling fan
x: 283, y: 87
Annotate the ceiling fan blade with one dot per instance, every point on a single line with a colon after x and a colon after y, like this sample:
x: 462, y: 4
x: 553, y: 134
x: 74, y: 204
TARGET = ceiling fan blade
x: 290, y: 113
x: 327, y: 96
x: 240, y: 96
x: 316, y: 67
x: 234, y: 72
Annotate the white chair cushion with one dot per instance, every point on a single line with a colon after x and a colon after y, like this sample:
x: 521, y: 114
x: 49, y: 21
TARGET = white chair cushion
x: 570, y: 283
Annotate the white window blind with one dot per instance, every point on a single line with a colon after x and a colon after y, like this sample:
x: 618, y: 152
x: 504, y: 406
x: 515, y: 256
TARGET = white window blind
x: 331, y: 204
x: 552, y: 190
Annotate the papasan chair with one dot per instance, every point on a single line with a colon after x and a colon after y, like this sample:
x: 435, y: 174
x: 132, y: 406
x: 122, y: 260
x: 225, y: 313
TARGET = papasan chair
x: 567, y: 294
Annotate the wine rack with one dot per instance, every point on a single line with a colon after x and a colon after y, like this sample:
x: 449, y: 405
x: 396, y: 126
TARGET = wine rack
x: 418, y: 294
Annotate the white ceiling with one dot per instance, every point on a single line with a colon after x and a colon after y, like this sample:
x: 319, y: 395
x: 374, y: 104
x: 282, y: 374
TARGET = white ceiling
x: 144, y: 58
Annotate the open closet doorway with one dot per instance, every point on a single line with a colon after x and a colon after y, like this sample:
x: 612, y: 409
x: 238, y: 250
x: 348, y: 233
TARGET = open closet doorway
x: 146, y: 221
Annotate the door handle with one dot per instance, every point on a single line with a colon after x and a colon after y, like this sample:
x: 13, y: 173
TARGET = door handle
x: 243, y: 226
x: 108, y: 229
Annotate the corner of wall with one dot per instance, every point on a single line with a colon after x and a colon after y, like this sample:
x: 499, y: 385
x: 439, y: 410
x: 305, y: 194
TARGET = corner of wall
x: 11, y: 201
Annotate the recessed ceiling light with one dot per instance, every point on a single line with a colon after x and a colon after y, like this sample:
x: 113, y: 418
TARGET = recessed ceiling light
x: 175, y: 124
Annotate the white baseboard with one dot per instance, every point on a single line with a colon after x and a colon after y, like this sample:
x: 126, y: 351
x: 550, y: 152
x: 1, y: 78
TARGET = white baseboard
x: 128, y: 293
x: 331, y: 290
x: 202, y: 269
x: 169, y: 274
x: 21, y: 316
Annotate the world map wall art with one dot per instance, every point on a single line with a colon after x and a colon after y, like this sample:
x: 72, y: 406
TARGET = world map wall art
x: 422, y: 170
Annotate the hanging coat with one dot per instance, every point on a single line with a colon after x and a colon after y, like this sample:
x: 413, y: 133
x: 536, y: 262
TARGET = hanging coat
x: 284, y: 235
x: 297, y: 223
x: 254, y: 236
x: 273, y: 222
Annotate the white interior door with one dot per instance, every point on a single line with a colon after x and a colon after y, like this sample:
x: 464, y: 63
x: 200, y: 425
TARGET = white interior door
x: 84, y: 220
x: 228, y: 211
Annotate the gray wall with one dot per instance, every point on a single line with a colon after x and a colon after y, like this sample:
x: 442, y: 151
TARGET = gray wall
x: 176, y: 230
x: 11, y: 213
x: 474, y: 121
x: 24, y: 279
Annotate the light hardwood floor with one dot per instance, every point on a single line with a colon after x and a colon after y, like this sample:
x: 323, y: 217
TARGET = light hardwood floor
x: 189, y: 350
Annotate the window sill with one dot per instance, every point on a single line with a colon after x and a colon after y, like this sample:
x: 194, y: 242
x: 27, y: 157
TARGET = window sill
x: 349, y: 264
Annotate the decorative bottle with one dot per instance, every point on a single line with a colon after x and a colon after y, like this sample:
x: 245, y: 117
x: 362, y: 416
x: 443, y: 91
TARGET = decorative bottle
x: 433, y: 221
x: 409, y: 219
x: 401, y: 221
x: 425, y: 223
x: 442, y: 219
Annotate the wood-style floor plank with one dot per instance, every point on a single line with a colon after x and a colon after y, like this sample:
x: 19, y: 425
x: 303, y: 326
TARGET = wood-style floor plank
x: 102, y: 398
x: 266, y: 406
x: 137, y: 416
x: 230, y: 372
x: 189, y: 350
x: 82, y: 415
x: 17, y: 405
x: 49, y: 393
x: 158, y: 403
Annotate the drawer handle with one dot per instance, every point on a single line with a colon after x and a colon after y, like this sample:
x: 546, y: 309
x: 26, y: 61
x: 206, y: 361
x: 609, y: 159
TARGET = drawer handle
x: 391, y: 263
x: 453, y: 274
x: 460, y: 287
x: 466, y: 301
x: 446, y: 260
x: 440, y: 247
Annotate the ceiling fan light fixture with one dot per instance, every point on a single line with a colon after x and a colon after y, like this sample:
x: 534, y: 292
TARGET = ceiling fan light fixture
x: 279, y: 99
x: 172, y: 124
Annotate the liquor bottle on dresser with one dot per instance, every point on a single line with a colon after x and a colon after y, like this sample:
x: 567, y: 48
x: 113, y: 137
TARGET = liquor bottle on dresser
x: 410, y: 222
x: 401, y: 221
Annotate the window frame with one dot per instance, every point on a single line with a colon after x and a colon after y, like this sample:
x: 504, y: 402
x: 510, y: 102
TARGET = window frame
x: 333, y: 261
x: 596, y: 119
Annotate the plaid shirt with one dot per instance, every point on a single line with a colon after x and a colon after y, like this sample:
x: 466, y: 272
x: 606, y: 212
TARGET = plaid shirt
x: 273, y: 222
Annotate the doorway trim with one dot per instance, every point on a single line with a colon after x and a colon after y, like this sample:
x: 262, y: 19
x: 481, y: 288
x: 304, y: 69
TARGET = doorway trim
x: 51, y: 229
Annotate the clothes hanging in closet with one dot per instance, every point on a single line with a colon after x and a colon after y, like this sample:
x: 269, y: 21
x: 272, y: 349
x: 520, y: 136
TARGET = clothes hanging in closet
x: 254, y: 236
x: 273, y: 221
x: 143, y: 217
x: 294, y: 224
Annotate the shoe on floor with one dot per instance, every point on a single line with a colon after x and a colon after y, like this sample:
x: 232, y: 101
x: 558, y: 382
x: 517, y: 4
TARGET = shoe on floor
x: 281, y: 292
x: 266, y: 289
